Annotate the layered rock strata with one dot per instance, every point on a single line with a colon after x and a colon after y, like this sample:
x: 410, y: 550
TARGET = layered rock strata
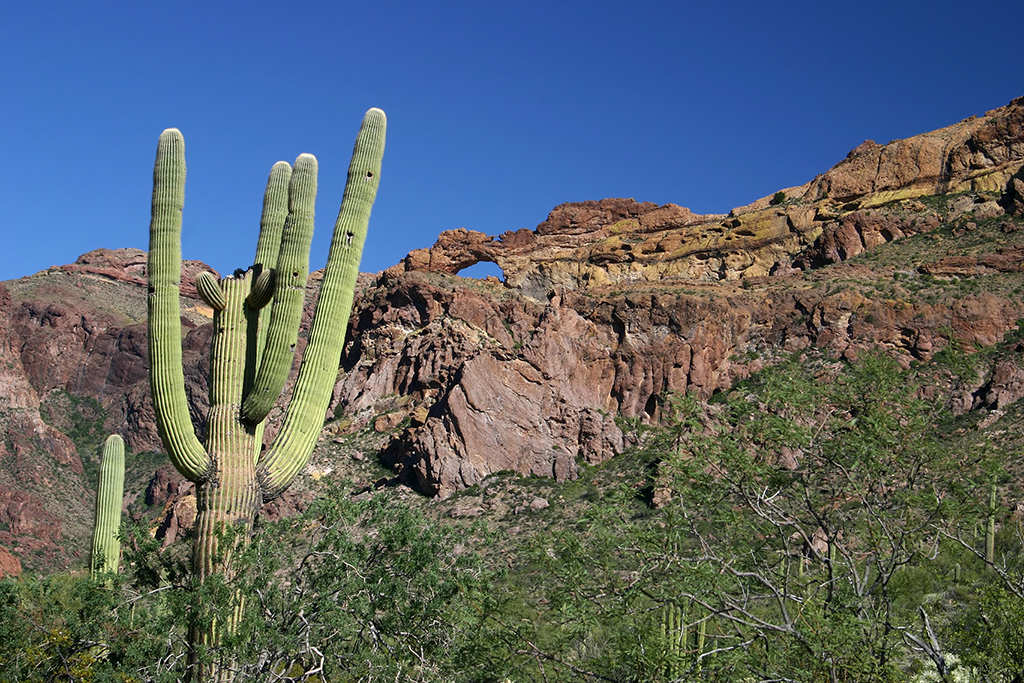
x: 620, y: 241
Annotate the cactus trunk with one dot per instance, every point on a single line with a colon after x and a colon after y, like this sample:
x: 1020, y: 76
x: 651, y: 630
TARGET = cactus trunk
x: 990, y: 530
x: 252, y: 351
x: 106, y: 547
x: 675, y: 633
x: 702, y: 630
x: 231, y: 496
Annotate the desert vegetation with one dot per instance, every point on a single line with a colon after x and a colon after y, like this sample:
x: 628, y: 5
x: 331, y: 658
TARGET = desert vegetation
x: 822, y: 520
x: 778, y: 445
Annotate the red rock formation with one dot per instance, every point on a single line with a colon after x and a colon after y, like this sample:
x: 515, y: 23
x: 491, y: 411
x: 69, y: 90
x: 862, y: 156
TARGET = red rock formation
x: 979, y: 154
x: 1006, y: 385
x: 1005, y: 260
x: 129, y: 266
x: 512, y: 384
x: 9, y: 564
x: 526, y: 379
x: 620, y: 241
x: 85, y: 334
x: 606, y: 305
x: 26, y: 526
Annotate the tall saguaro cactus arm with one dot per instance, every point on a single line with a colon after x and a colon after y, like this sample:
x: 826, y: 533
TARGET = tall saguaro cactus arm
x: 289, y: 292
x: 106, y: 548
x: 275, y: 213
x: 167, y: 379
x: 291, y: 449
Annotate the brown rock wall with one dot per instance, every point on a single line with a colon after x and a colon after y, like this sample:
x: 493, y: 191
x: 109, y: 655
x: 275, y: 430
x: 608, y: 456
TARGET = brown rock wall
x: 9, y: 564
x: 539, y: 392
x: 26, y: 526
x: 1006, y: 385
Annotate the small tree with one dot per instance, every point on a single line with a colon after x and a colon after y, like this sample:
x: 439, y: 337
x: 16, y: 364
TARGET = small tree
x: 798, y: 515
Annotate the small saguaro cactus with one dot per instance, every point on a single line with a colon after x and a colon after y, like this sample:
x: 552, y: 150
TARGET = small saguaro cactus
x: 675, y: 632
x: 106, y: 547
x: 254, y: 344
x: 990, y: 529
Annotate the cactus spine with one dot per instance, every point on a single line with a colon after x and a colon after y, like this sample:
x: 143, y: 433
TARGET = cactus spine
x: 106, y: 547
x: 253, y: 347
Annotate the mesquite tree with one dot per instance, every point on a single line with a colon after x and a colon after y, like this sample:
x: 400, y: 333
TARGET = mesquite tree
x: 253, y: 347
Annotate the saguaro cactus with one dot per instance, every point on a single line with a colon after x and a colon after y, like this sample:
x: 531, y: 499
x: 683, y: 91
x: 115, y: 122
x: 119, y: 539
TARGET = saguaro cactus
x: 990, y: 530
x: 675, y: 632
x: 252, y: 348
x: 106, y: 548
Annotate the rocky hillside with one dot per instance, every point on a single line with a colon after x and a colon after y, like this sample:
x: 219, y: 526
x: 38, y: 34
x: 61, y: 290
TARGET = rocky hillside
x: 604, y: 307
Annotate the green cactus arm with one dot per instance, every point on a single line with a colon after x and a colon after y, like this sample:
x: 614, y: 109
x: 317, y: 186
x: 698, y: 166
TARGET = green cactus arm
x: 275, y: 212
x: 262, y: 290
x: 291, y: 273
x: 106, y: 547
x: 290, y: 451
x: 167, y: 379
x: 210, y: 291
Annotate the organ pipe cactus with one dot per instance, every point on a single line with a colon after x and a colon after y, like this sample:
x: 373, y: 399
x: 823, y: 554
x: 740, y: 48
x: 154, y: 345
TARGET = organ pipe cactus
x: 256, y: 319
x: 106, y: 547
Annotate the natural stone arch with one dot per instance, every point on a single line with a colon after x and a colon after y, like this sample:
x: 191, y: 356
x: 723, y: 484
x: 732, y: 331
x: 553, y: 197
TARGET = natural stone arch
x: 482, y: 269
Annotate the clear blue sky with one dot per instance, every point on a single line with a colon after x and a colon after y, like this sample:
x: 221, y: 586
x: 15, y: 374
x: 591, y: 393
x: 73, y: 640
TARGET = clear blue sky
x: 497, y: 111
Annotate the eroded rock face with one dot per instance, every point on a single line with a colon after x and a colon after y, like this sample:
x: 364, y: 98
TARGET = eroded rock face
x: 129, y: 266
x: 1006, y: 385
x: 9, y: 564
x: 978, y: 154
x: 594, y: 319
x: 1004, y: 260
x: 36, y: 460
x: 77, y: 331
x: 605, y: 306
x: 539, y: 392
x: 832, y: 218
x: 26, y: 526
x: 84, y: 332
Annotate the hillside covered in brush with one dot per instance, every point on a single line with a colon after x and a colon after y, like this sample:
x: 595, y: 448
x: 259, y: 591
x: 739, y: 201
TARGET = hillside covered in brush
x: 606, y: 306
x: 663, y: 446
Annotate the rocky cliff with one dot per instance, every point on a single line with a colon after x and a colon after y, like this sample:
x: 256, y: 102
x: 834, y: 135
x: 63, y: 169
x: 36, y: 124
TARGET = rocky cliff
x: 605, y: 306
x: 829, y: 219
x: 609, y: 304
